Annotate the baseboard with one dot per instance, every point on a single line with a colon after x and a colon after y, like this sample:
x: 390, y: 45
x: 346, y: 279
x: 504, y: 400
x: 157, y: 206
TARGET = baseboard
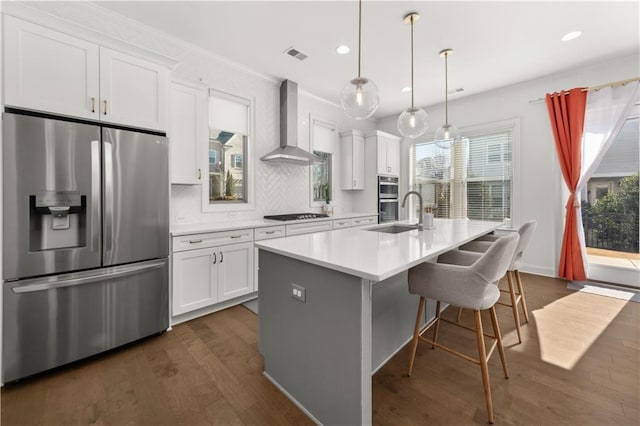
x: 213, y: 308
x: 539, y: 270
x: 291, y: 398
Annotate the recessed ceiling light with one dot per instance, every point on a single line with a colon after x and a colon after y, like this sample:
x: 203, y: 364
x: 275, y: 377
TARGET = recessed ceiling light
x: 406, y: 89
x: 343, y: 49
x: 571, y: 35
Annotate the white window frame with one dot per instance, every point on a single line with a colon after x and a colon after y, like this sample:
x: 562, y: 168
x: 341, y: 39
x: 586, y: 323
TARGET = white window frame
x: 331, y: 125
x: 512, y: 124
x: 249, y: 161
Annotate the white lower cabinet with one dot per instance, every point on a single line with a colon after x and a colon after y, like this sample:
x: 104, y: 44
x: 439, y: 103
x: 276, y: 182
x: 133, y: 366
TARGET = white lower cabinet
x: 204, y: 277
x: 234, y: 271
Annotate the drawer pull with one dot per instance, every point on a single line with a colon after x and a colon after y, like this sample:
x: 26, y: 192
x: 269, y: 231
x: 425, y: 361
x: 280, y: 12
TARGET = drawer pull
x: 194, y: 241
x: 270, y: 232
x: 215, y: 258
x: 236, y: 236
x: 221, y: 257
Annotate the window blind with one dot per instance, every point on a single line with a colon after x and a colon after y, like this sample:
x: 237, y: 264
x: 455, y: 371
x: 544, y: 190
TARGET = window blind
x: 471, y: 180
x: 228, y: 113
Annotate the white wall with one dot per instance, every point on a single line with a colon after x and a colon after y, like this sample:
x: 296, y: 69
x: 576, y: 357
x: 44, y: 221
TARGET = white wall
x: 539, y: 191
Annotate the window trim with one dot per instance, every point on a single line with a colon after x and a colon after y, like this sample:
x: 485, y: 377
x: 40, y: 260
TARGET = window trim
x: 334, y: 127
x: 249, y: 160
x: 512, y: 124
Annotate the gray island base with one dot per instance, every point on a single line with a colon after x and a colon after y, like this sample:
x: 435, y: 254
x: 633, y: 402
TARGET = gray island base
x: 322, y: 346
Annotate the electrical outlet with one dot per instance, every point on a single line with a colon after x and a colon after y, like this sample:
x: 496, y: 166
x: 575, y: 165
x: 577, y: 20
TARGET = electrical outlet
x: 298, y: 293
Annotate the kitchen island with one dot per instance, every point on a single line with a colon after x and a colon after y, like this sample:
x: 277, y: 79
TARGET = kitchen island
x: 334, y: 307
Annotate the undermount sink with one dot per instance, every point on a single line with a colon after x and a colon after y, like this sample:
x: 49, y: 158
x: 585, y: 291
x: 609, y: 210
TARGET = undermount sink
x: 395, y: 229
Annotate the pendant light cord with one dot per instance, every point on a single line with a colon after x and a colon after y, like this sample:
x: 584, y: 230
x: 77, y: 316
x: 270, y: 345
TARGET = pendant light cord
x: 446, y: 90
x: 359, y: 34
x: 412, y: 62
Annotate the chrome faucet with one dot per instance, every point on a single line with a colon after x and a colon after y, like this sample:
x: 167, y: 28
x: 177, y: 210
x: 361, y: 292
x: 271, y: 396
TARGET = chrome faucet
x: 404, y: 200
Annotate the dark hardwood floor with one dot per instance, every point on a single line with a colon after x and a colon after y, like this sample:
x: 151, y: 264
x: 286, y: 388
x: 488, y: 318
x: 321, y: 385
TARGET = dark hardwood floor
x: 578, y: 365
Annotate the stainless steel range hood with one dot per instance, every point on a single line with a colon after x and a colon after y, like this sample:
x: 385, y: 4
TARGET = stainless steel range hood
x: 288, y: 150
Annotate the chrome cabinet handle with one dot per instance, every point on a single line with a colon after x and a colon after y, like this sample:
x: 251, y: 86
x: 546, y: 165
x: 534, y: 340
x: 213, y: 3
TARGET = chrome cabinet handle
x: 221, y: 257
x: 270, y: 232
x: 93, y: 104
x: 105, y: 107
x: 215, y: 258
x: 194, y: 241
x: 199, y: 174
x: 236, y: 236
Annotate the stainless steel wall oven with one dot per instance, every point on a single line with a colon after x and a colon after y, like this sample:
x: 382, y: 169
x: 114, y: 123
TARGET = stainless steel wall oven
x: 387, y: 199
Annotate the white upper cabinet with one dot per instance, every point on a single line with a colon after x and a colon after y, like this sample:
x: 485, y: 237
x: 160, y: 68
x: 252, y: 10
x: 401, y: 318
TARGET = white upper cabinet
x: 188, y: 132
x: 352, y: 160
x: 132, y: 90
x: 46, y: 70
x: 388, y: 153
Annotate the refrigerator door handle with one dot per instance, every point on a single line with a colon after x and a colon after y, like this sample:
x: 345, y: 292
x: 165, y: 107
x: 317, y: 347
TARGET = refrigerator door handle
x: 95, y: 196
x: 40, y: 284
x: 108, y: 195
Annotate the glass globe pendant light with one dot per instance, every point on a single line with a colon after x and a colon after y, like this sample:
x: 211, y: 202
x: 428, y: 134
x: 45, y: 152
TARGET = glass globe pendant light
x: 447, y: 134
x: 412, y: 123
x: 360, y: 98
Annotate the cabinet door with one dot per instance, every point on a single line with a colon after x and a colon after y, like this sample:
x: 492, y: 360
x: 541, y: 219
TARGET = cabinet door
x: 382, y: 155
x: 195, y: 280
x: 49, y: 71
x: 393, y: 157
x: 132, y: 90
x: 235, y: 270
x: 188, y: 132
x: 358, y: 162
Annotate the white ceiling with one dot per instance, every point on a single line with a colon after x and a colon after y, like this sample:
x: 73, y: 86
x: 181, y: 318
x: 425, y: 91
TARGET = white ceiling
x: 495, y: 43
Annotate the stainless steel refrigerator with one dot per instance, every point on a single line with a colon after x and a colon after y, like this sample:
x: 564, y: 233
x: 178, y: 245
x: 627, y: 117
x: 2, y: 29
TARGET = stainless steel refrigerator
x: 86, y: 240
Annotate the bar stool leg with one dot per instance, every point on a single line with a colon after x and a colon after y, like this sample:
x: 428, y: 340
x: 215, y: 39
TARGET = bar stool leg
x: 514, y: 305
x: 416, y: 334
x: 459, y: 315
x: 522, y: 299
x: 437, y: 327
x: 496, y: 332
x: 482, y: 352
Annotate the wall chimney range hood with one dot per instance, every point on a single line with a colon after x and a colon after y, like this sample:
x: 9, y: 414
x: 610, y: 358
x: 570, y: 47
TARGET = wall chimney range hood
x: 288, y: 150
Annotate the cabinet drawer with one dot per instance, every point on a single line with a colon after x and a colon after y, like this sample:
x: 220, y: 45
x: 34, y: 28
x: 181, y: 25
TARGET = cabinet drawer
x: 307, y: 228
x: 211, y: 239
x: 361, y: 221
x: 342, y: 223
x: 270, y: 232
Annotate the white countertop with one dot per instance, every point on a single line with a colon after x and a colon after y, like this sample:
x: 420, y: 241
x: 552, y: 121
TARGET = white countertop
x: 377, y: 255
x: 199, y: 228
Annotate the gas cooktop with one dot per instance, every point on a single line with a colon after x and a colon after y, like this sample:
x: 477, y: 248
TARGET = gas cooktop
x: 296, y: 216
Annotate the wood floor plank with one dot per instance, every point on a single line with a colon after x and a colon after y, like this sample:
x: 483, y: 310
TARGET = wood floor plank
x: 208, y: 372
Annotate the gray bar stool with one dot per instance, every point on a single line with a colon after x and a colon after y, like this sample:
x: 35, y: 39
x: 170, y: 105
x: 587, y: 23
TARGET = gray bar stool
x: 481, y: 245
x: 474, y: 286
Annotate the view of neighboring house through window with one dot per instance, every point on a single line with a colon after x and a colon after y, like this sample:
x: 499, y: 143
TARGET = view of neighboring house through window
x: 322, y: 139
x: 472, y: 179
x: 610, y: 200
x: 321, y: 175
x: 228, y: 144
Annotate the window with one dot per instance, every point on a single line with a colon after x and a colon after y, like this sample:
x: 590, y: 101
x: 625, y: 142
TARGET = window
x: 236, y: 161
x: 322, y: 136
x: 472, y: 179
x: 321, y: 178
x: 228, y: 146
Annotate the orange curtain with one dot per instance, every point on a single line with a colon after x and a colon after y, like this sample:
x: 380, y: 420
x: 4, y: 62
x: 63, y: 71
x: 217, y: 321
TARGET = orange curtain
x: 566, y: 113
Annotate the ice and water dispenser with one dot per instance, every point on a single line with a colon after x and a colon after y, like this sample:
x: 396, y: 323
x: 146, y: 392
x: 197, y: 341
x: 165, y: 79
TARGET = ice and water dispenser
x: 58, y: 219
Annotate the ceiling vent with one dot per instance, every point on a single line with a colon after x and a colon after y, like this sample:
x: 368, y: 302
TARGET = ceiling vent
x: 292, y: 51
